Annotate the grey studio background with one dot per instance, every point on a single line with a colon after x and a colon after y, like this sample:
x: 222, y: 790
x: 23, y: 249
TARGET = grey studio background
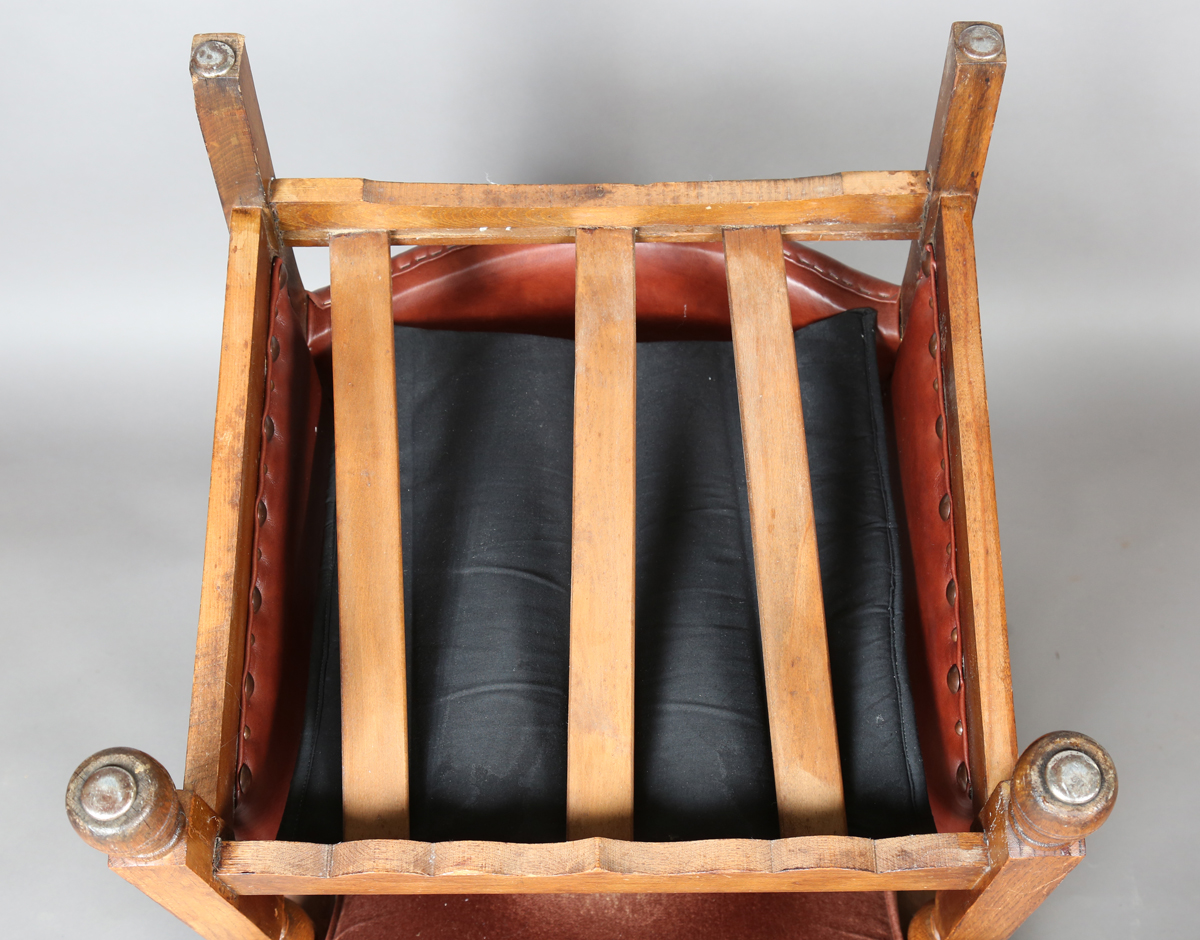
x: 113, y: 264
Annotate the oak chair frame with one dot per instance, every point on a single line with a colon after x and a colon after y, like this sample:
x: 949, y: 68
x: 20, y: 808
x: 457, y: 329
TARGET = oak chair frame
x: 177, y: 850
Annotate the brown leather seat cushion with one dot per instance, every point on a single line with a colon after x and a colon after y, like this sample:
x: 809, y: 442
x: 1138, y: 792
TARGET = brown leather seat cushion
x: 869, y: 915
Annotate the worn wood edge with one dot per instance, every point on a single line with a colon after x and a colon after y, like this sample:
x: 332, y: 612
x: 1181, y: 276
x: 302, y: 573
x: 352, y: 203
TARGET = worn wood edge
x: 491, y: 195
x: 210, y: 764
x: 844, y: 206
x: 939, y: 860
x: 867, y: 217
x: 679, y: 234
x: 992, y: 735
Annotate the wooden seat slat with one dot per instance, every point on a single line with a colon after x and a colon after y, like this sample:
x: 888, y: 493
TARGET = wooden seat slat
x: 600, y: 703
x: 370, y: 575
x: 804, y: 745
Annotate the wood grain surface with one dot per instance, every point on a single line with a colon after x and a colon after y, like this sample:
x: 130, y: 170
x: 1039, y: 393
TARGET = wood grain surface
x: 224, y: 594
x: 370, y: 574
x: 185, y: 883
x: 991, y: 725
x: 600, y: 702
x: 232, y: 125
x: 846, y: 205
x: 804, y: 745
x: 815, y: 863
x: 1019, y: 876
x: 958, y: 146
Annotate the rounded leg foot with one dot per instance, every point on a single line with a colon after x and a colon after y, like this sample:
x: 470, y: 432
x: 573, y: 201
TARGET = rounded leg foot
x: 123, y: 802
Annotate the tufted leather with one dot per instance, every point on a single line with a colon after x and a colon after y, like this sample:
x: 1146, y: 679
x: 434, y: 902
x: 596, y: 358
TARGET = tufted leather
x: 286, y: 557
x: 934, y: 636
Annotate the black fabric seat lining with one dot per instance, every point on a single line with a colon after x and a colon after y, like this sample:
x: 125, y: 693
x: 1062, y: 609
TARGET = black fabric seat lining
x: 484, y: 423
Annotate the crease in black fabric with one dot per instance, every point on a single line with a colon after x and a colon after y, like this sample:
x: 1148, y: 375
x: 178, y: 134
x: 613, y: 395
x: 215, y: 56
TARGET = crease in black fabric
x: 484, y: 425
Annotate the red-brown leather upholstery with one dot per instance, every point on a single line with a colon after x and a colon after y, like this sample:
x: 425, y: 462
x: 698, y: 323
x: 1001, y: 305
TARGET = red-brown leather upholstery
x: 681, y: 292
x: 934, y: 638
x: 286, y: 548
x: 800, y: 916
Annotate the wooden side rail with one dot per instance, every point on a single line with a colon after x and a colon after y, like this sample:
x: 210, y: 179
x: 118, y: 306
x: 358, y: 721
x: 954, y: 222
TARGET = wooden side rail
x: 600, y: 694
x: 231, y: 122
x: 872, y: 205
x: 804, y: 745
x: 991, y: 724
x: 225, y: 593
x: 589, y: 866
x: 370, y: 570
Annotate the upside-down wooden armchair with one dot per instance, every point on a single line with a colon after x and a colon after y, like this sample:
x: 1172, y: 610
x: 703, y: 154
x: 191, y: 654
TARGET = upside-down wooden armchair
x: 1008, y: 828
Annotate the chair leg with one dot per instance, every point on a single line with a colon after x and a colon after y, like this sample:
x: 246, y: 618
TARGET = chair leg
x: 1062, y: 789
x: 124, y: 803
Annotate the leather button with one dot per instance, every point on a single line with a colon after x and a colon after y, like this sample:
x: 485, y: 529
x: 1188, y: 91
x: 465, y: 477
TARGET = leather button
x: 249, y: 685
x: 964, y: 778
x: 939, y: 426
x: 957, y: 728
x: 274, y: 348
x: 933, y: 345
x: 269, y: 427
x: 951, y: 592
x: 954, y: 679
x: 944, y: 507
x: 262, y: 512
x: 245, y: 778
x: 255, y: 600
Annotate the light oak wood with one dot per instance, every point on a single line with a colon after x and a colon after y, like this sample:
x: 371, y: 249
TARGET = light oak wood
x: 991, y: 725
x: 962, y: 130
x: 370, y: 576
x: 1034, y: 839
x: 804, y: 745
x: 845, y: 205
x: 224, y: 598
x: 232, y: 125
x: 815, y: 863
x: 600, y: 702
x: 184, y: 882
x: 1020, y: 875
x: 966, y: 110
